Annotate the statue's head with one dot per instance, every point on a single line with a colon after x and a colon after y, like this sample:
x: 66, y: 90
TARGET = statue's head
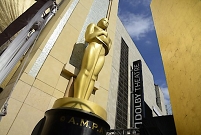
x: 103, y: 23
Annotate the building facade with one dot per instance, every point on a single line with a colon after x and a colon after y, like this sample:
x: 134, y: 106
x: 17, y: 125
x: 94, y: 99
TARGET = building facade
x: 178, y: 28
x: 122, y: 37
x: 45, y: 72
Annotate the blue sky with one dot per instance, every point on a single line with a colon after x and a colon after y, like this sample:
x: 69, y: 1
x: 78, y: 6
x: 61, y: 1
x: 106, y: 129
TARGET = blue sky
x: 137, y: 18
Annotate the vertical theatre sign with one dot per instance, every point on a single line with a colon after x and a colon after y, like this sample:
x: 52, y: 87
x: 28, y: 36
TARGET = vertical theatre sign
x: 137, y: 95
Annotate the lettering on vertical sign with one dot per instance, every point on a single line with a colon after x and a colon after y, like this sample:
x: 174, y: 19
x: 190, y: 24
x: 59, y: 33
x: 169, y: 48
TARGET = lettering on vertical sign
x: 138, y: 93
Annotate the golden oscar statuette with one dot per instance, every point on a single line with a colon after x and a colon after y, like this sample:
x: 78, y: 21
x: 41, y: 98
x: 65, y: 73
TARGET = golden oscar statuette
x: 77, y: 115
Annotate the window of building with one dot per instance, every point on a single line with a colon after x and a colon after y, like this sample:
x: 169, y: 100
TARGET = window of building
x: 122, y: 95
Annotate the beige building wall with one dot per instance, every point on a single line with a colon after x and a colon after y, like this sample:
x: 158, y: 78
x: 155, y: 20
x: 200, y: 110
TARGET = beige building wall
x: 178, y: 28
x: 36, y: 90
x: 52, y: 63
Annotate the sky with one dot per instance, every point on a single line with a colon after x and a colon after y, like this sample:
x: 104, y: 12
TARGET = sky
x: 137, y: 19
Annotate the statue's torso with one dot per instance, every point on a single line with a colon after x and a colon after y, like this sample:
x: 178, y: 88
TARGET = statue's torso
x: 102, y: 39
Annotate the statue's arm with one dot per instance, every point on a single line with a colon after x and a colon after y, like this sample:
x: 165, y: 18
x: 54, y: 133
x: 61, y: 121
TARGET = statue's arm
x: 91, y: 34
x: 109, y: 43
x: 106, y: 40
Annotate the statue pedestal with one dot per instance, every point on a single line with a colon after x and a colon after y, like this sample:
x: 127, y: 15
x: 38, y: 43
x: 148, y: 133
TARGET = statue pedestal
x: 71, y: 121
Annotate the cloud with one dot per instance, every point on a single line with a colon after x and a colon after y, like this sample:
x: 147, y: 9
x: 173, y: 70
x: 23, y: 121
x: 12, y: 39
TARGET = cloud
x: 167, y: 100
x: 137, y: 25
x: 166, y: 95
x: 137, y: 2
x: 162, y: 84
x: 148, y: 42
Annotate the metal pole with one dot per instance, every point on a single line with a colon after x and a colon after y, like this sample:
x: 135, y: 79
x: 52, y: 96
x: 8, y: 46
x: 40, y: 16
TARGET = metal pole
x: 132, y: 100
x: 109, y: 9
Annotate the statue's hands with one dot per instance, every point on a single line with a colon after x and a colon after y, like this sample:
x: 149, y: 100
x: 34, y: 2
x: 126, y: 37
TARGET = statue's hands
x: 105, y: 33
x: 93, y: 32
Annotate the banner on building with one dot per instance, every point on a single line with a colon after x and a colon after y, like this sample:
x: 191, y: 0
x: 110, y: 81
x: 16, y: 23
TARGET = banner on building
x: 137, y: 95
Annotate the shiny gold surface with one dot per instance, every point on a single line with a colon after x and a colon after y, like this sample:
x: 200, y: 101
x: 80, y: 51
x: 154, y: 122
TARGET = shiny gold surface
x: 93, y: 60
x: 178, y: 28
x: 82, y: 105
x: 11, y: 9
